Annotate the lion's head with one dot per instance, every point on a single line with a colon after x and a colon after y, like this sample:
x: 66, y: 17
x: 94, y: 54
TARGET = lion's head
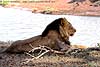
x: 62, y: 26
x: 66, y: 29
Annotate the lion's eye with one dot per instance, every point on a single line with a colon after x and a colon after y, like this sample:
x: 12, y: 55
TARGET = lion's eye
x: 62, y: 24
x: 70, y: 28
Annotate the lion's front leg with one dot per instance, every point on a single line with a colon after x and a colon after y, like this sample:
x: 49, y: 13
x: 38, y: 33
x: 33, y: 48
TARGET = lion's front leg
x: 64, y: 46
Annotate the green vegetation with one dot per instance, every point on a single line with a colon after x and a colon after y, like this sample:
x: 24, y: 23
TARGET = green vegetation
x: 4, y: 2
x: 92, y: 64
x: 98, y: 44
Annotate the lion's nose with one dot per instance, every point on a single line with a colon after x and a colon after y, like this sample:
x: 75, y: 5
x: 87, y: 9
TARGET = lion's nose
x: 74, y: 30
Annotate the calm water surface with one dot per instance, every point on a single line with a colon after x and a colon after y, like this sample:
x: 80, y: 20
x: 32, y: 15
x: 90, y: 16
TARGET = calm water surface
x: 18, y: 24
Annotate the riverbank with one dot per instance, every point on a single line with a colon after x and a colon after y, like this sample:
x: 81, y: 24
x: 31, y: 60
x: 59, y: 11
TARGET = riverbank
x: 58, y: 8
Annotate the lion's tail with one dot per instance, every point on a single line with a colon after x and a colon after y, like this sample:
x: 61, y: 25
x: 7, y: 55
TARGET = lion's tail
x: 3, y: 49
x: 79, y: 46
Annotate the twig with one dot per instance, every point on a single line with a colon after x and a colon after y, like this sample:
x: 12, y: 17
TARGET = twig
x: 36, y: 48
x: 45, y: 49
x: 42, y: 54
x: 31, y: 45
x: 54, y: 51
x: 29, y: 54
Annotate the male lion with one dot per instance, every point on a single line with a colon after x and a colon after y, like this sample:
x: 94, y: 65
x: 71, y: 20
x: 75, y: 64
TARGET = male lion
x: 56, y: 36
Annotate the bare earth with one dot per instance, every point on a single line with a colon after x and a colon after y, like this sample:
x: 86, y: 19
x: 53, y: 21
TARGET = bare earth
x: 57, y: 7
x: 79, y: 59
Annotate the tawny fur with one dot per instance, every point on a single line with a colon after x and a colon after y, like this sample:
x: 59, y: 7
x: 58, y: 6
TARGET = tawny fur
x: 56, y: 36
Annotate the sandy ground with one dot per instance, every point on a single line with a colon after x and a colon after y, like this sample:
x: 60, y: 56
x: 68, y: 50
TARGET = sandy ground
x: 59, y: 7
x: 79, y: 59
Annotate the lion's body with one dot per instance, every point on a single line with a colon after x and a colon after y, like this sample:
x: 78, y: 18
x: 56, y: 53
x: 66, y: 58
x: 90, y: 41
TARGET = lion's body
x: 56, y: 36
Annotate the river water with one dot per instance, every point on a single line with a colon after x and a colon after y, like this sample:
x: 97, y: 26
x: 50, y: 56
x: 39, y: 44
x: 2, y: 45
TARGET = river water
x: 16, y: 24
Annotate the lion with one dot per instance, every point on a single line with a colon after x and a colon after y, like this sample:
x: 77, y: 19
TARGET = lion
x: 56, y: 36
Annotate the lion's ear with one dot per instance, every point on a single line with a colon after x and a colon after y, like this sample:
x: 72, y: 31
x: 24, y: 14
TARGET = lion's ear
x: 62, y: 22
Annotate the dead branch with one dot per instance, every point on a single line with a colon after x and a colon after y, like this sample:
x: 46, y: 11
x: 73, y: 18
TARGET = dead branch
x: 71, y: 51
x: 54, y: 51
x: 42, y: 54
x: 43, y: 50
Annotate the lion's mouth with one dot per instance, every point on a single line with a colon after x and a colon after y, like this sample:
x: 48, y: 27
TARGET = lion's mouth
x: 71, y: 34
